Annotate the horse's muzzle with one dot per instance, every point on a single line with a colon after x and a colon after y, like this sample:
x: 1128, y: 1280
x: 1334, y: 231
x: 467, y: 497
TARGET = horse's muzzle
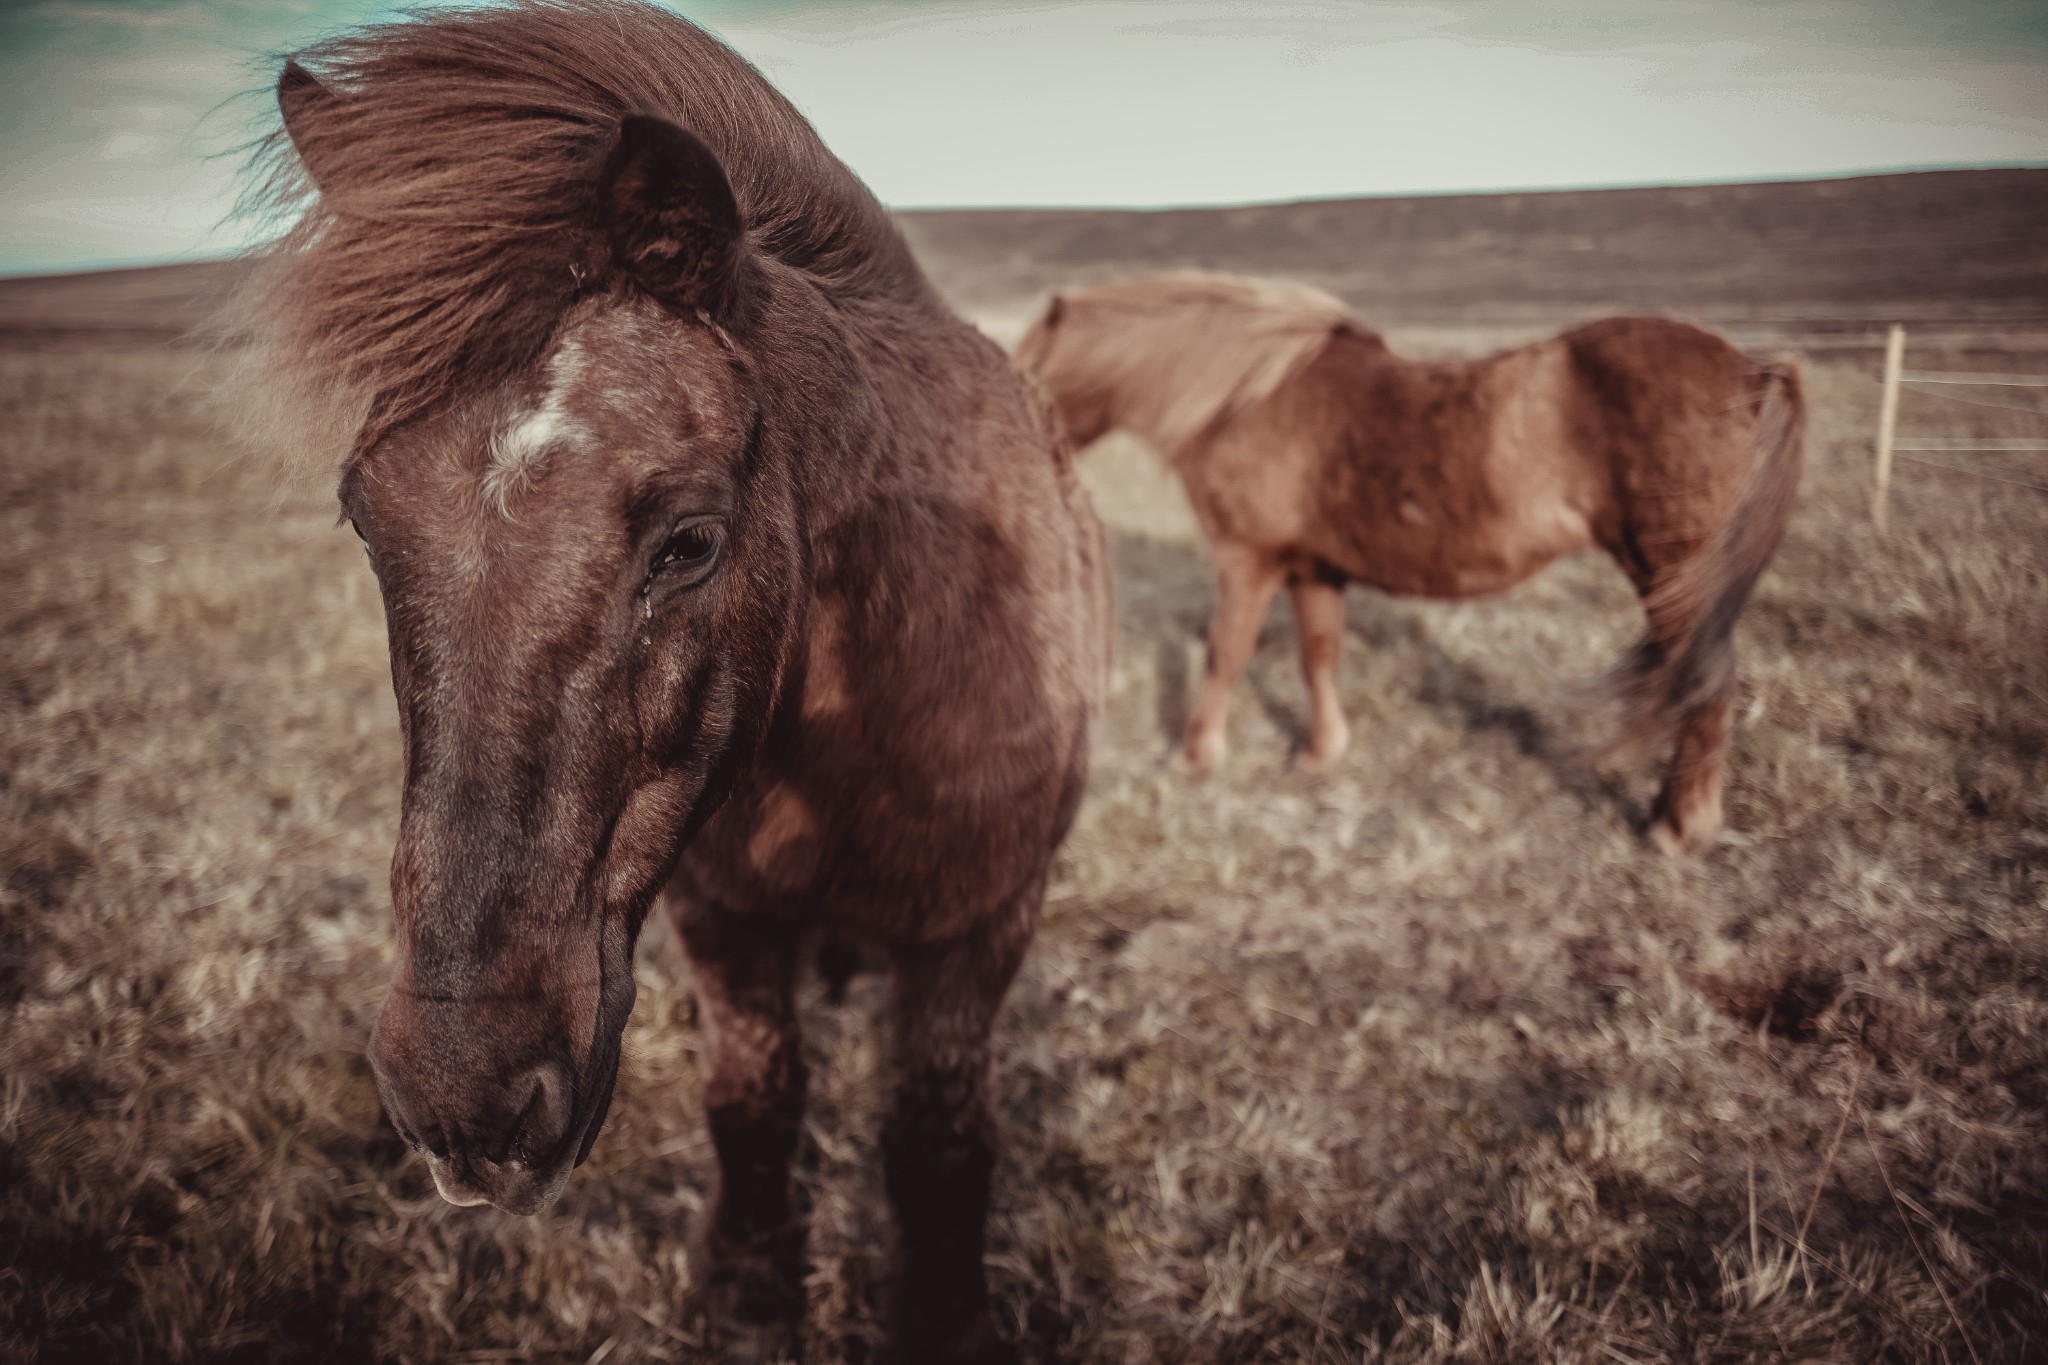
x: 511, y: 1185
x: 510, y: 1142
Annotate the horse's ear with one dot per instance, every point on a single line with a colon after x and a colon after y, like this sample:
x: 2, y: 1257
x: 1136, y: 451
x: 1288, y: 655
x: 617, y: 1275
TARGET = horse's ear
x: 671, y: 215
x: 299, y: 93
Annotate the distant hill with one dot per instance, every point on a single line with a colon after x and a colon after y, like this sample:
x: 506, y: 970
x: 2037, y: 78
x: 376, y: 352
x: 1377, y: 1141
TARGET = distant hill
x: 1935, y: 245
x: 158, y: 301
x: 1958, y: 247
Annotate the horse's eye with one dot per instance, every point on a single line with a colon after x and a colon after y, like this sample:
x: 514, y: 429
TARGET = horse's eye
x: 689, y: 554
x: 363, y: 538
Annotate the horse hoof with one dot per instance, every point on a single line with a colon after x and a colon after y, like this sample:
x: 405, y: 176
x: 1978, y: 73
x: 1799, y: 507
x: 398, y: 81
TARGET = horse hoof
x: 1673, y: 842
x: 1198, y: 759
x: 1314, y: 760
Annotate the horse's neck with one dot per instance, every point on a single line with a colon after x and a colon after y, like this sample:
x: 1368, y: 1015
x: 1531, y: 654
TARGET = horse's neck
x: 1168, y: 382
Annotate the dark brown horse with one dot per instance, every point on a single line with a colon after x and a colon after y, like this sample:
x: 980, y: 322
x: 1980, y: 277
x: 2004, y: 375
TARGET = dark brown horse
x: 1313, y: 455
x: 723, y: 566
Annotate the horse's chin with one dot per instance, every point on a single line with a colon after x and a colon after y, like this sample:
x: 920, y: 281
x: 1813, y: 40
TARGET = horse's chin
x: 513, y: 1187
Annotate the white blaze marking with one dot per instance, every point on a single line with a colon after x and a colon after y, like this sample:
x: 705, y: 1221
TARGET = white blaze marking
x: 519, y: 448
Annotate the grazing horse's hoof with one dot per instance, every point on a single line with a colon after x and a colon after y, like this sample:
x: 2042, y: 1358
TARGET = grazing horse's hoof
x: 1680, y: 827
x: 1678, y: 839
x: 1321, y: 758
x: 1199, y: 756
x: 1673, y: 844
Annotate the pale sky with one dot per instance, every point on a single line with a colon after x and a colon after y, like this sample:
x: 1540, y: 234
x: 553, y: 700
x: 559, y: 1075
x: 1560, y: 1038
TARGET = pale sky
x: 120, y: 115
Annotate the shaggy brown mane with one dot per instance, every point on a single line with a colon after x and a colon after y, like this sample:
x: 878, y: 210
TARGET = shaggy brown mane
x: 445, y: 208
x: 1189, y: 349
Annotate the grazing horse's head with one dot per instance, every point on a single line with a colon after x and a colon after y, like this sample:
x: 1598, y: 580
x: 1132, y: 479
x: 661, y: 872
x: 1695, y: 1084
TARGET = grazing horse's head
x: 590, y: 564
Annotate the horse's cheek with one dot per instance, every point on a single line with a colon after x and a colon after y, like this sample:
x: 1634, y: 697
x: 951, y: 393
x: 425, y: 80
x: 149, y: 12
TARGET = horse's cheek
x: 645, y: 841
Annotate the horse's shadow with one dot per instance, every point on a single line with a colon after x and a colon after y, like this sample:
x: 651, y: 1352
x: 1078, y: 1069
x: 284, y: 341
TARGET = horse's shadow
x: 1048, y: 1163
x: 1166, y: 590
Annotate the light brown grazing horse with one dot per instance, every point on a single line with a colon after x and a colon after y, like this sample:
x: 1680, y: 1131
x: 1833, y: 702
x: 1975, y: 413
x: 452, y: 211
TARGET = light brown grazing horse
x: 1314, y: 456
x: 725, y: 568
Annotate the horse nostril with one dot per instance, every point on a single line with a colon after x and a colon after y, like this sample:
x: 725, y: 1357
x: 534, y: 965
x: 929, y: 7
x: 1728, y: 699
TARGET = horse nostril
x: 414, y: 1122
x: 545, y: 1116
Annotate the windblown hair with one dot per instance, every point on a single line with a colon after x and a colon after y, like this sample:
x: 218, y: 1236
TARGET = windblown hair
x: 1180, y: 353
x: 444, y: 192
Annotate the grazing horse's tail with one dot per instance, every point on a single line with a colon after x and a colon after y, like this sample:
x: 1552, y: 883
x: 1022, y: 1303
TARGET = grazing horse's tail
x: 1687, y: 656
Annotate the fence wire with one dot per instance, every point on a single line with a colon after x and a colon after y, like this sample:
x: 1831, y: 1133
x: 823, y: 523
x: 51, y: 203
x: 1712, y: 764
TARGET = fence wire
x: 1980, y: 473
x: 1926, y: 382
x: 1973, y: 402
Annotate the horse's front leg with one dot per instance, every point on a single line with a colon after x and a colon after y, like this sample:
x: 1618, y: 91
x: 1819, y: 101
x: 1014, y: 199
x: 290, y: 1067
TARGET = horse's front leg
x: 1319, y: 618
x: 1246, y: 580
x: 939, y: 1149
x: 749, y: 1248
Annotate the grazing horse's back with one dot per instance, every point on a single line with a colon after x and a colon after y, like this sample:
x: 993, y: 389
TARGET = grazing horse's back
x: 1313, y: 456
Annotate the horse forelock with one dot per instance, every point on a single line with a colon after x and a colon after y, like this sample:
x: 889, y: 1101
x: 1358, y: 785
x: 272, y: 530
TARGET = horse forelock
x: 442, y: 208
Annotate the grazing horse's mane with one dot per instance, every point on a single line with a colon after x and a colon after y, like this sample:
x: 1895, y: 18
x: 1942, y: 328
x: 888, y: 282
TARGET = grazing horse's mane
x: 1188, y: 349
x: 445, y: 203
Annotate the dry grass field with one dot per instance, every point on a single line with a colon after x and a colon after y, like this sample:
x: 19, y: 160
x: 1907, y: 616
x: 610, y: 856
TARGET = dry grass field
x: 1424, y: 1060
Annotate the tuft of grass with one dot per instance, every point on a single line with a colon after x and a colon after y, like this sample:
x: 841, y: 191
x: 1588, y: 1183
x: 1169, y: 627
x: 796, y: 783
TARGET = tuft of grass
x: 1425, y: 1060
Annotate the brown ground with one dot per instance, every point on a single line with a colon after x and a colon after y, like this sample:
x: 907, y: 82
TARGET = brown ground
x: 1425, y: 1060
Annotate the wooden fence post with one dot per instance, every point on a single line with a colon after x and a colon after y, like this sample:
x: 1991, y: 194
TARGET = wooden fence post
x: 1888, y: 421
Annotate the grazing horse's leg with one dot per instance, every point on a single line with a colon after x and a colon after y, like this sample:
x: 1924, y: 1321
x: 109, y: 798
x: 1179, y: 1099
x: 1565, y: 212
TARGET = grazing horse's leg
x: 750, y: 1244
x: 1246, y: 580
x: 939, y: 1148
x: 1687, y: 814
x: 1319, y: 619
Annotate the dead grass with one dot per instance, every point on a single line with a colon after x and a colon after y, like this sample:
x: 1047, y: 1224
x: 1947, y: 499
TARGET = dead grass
x: 1426, y: 1060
